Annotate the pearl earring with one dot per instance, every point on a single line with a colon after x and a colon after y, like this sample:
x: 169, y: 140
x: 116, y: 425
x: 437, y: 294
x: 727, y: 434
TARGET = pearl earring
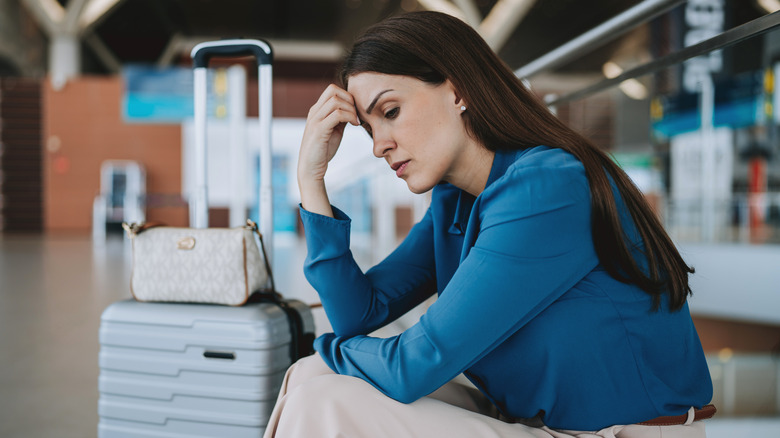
x: 463, y: 107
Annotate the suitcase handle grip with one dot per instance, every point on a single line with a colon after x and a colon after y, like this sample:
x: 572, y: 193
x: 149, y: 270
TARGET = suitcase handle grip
x: 227, y: 355
x: 203, y: 52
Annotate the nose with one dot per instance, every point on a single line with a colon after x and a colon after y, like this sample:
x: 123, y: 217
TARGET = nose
x: 383, y: 144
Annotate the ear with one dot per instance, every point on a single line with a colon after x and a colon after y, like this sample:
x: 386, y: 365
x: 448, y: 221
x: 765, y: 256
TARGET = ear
x: 457, y: 99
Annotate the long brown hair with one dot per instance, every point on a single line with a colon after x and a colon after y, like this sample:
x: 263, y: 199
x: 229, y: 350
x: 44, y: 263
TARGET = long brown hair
x: 504, y: 115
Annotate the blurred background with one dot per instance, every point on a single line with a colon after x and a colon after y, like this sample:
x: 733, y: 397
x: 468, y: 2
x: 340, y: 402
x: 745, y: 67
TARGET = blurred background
x: 96, y: 129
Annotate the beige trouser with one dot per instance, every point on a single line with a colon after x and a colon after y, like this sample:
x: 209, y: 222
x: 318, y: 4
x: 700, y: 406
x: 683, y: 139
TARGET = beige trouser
x: 316, y: 402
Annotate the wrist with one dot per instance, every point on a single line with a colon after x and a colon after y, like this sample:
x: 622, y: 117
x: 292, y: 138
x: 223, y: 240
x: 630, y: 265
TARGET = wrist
x: 311, y: 181
x: 314, y: 197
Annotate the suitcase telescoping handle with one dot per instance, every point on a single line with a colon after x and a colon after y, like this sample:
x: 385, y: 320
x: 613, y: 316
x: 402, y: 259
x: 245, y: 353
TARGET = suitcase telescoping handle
x: 201, y: 54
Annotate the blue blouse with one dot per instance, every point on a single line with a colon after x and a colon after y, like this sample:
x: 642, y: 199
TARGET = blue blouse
x: 525, y: 310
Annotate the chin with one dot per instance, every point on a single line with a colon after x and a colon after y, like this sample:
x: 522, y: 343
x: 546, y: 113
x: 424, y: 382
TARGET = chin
x: 419, y: 189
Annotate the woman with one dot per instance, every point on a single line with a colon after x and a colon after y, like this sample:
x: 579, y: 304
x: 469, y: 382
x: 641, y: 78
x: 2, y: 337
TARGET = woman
x: 560, y: 296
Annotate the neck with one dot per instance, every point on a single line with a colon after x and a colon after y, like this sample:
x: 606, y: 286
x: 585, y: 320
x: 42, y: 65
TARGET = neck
x: 474, y: 169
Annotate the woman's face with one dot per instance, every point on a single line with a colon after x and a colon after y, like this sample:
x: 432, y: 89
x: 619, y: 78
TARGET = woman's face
x: 416, y: 127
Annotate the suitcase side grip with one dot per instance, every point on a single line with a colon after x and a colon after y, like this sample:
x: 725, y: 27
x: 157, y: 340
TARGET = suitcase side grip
x: 202, y: 53
x: 226, y: 355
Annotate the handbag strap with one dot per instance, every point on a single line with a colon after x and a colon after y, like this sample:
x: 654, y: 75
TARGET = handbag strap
x: 253, y: 226
x: 302, y: 342
x: 134, y: 228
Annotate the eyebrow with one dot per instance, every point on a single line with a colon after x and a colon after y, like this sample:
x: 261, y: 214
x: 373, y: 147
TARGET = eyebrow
x: 373, y: 102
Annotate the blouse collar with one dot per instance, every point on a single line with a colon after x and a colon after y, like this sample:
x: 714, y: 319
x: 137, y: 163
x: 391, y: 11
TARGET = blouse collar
x: 501, y: 162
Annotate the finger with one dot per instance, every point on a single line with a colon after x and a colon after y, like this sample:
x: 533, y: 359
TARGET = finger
x: 329, y: 129
x: 341, y: 93
x: 345, y: 110
x: 339, y: 117
x: 333, y: 91
x: 325, y: 104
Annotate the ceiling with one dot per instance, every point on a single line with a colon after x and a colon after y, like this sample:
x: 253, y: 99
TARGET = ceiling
x: 140, y: 30
x: 144, y: 31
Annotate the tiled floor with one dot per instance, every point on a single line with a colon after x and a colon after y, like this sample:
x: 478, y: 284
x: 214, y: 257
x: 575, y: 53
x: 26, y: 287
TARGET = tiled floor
x: 52, y: 292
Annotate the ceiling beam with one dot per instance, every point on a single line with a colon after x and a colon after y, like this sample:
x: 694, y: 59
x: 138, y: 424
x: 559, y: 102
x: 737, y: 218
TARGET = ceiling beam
x: 80, y: 16
x: 470, y: 12
x: 95, y: 12
x: 443, y: 6
x: 73, y: 11
x: 174, y: 48
x: 48, y: 14
x: 499, y: 24
x: 106, y: 56
x: 502, y: 20
x: 66, y: 28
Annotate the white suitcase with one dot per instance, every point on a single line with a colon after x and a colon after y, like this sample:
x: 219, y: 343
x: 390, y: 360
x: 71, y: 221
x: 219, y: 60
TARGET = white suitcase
x: 194, y: 370
x: 197, y: 370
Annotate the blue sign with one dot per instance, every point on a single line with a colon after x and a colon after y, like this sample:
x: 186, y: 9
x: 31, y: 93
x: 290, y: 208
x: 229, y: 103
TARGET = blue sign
x: 154, y: 95
x: 738, y: 103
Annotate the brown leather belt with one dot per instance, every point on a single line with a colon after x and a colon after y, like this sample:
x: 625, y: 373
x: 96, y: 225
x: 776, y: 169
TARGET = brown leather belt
x: 672, y: 420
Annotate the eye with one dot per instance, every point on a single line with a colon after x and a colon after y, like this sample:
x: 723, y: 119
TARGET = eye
x: 393, y: 113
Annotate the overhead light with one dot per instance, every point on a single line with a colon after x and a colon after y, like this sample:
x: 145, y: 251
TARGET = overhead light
x: 611, y: 70
x: 634, y: 89
x: 769, y: 5
x: 630, y: 87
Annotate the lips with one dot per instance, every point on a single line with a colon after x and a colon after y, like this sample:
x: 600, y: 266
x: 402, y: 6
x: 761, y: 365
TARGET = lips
x: 399, y: 167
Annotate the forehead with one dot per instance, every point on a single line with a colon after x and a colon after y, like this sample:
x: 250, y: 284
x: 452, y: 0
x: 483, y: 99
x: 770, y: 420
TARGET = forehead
x: 366, y: 85
x: 372, y: 88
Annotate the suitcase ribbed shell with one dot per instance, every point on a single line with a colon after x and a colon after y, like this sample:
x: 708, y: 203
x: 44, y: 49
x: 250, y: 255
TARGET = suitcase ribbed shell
x: 194, y: 370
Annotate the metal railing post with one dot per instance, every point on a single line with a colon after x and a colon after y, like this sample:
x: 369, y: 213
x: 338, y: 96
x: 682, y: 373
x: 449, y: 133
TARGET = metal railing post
x: 598, y: 36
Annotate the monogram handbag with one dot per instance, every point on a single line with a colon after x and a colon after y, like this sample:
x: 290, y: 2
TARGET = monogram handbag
x: 196, y: 265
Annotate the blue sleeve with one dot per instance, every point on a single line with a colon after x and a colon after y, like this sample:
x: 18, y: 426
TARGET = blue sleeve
x: 358, y: 303
x: 534, y: 244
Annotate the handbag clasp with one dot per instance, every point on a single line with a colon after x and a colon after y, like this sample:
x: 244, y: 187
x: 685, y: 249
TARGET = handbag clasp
x: 186, y: 243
